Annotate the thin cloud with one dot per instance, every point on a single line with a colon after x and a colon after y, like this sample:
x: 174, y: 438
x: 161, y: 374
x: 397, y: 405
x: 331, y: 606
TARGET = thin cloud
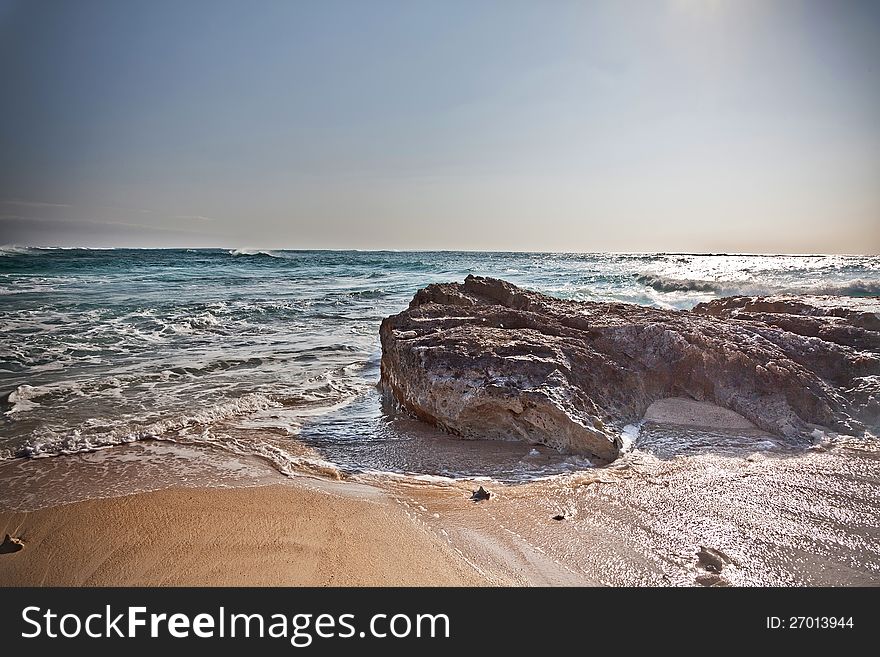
x: 197, y: 217
x: 120, y: 208
x: 35, y: 204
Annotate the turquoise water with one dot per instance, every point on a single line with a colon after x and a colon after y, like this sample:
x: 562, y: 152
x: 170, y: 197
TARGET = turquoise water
x: 276, y: 353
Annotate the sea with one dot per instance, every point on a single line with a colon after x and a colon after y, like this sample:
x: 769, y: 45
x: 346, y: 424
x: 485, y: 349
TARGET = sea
x: 275, y: 353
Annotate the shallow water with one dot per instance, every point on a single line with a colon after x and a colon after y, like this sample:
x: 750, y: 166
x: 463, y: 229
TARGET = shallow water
x: 782, y: 516
x: 276, y: 353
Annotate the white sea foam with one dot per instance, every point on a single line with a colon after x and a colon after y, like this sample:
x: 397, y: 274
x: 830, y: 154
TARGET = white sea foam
x: 282, y: 460
x: 48, y: 442
x: 205, y: 321
x: 666, y: 284
x: 628, y: 436
x: 853, y: 288
x: 254, y: 252
x: 14, y: 249
x: 425, y: 478
x: 22, y: 399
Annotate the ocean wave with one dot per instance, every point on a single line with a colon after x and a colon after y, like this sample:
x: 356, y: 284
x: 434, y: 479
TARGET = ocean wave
x: 13, y: 249
x: 26, y: 289
x: 312, y: 396
x: 52, y: 443
x: 851, y: 288
x: 24, y: 397
x: 389, y: 262
x: 665, y: 284
x: 854, y: 288
x: 283, y: 458
x: 205, y: 321
x: 255, y: 252
x: 27, y: 397
x: 368, y: 294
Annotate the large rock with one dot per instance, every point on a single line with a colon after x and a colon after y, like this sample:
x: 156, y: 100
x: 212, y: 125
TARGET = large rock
x: 486, y: 359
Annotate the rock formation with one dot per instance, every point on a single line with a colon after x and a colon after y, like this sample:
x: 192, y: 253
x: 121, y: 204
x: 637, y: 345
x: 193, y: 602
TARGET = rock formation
x: 486, y: 359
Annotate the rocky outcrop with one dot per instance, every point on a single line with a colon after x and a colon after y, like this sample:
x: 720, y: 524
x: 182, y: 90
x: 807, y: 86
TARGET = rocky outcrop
x: 486, y: 359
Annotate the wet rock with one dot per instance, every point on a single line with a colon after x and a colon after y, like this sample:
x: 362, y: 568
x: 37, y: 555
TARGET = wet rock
x: 10, y: 544
x: 480, y: 494
x: 485, y: 359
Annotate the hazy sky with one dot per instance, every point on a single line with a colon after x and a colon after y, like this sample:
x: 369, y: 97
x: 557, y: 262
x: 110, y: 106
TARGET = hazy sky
x: 687, y: 125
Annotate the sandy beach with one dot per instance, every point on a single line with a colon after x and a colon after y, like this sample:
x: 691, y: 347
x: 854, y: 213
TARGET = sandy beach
x: 206, y: 517
x: 292, y: 534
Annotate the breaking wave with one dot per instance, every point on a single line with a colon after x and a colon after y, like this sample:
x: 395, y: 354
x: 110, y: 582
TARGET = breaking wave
x: 48, y: 442
x: 664, y: 284
x: 851, y: 288
x: 255, y: 252
x: 12, y: 249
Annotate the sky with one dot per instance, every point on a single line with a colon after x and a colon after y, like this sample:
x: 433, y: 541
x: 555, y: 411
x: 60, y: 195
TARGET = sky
x: 680, y: 125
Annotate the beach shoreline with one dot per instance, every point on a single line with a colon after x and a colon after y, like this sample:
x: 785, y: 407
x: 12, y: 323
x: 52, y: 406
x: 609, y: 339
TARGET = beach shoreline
x: 214, y: 518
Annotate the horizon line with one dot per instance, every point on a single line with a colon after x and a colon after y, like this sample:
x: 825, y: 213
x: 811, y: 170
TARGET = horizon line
x: 423, y: 250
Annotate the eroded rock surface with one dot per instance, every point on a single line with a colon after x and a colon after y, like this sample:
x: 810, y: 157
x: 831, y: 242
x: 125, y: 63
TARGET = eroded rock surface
x: 486, y: 359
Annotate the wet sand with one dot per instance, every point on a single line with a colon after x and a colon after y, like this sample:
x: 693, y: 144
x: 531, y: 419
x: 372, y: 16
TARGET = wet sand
x: 207, y: 517
x: 700, y: 478
x: 684, y: 412
x: 161, y: 513
x: 283, y: 535
x: 800, y: 520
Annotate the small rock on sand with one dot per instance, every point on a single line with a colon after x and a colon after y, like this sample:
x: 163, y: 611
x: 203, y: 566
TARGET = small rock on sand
x: 480, y: 494
x: 10, y: 544
x: 712, y: 560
